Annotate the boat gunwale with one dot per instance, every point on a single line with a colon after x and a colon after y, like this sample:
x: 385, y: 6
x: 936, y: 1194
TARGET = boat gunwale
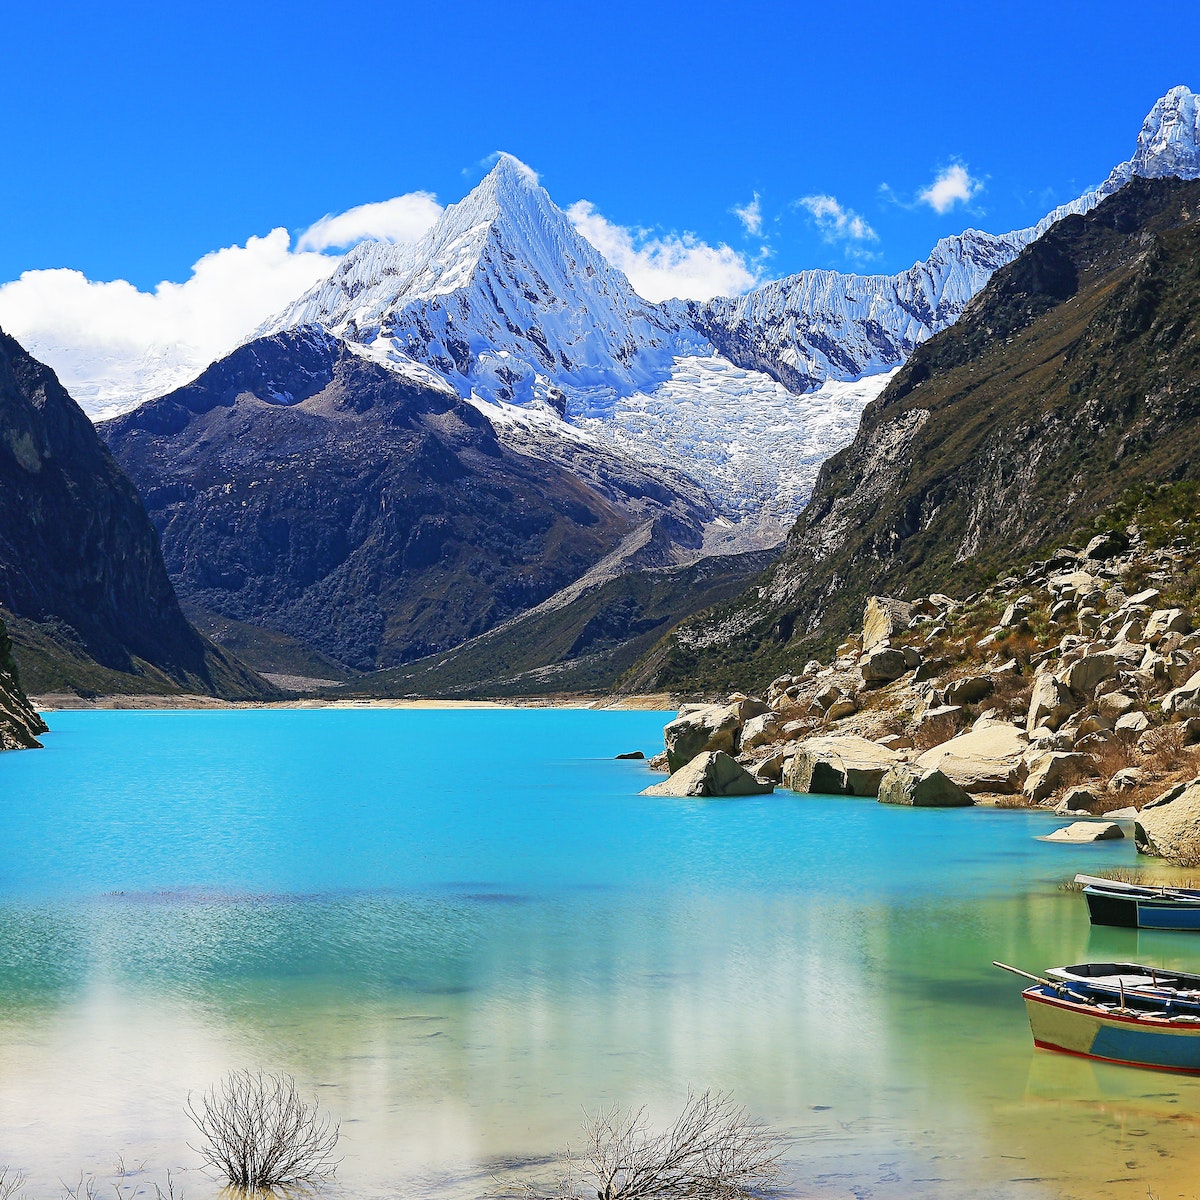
x: 1038, y: 995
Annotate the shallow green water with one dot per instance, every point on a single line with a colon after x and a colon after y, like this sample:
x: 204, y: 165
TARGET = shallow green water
x: 460, y: 928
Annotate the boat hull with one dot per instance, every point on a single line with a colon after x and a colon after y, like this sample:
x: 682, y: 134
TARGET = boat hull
x: 1135, y: 1040
x: 1141, y: 912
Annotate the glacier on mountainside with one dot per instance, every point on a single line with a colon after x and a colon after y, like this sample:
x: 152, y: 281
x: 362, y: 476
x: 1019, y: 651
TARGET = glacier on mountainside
x: 753, y: 443
x: 518, y: 312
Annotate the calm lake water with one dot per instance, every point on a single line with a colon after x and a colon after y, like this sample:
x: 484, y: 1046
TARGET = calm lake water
x: 461, y: 928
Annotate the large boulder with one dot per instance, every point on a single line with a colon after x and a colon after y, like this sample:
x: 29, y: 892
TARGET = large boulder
x: 1168, y: 620
x: 1052, y: 770
x: 987, y: 758
x: 905, y: 784
x: 1080, y: 801
x: 761, y: 729
x: 883, y: 664
x: 1050, y: 704
x: 968, y: 690
x: 1170, y: 826
x: 712, y: 773
x: 1083, y: 675
x: 882, y: 617
x: 710, y: 727
x: 1184, y: 701
x: 840, y: 765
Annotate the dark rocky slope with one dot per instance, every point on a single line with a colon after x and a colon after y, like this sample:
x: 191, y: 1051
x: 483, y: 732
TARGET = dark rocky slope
x: 304, y: 490
x: 582, y: 641
x: 1072, y: 377
x: 83, y: 589
x: 19, y: 723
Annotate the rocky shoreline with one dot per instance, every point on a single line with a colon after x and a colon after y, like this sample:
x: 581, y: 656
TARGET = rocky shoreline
x: 1073, y: 686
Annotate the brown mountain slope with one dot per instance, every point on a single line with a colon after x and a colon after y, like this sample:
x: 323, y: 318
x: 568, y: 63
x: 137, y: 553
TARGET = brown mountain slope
x: 83, y: 589
x: 1074, y: 375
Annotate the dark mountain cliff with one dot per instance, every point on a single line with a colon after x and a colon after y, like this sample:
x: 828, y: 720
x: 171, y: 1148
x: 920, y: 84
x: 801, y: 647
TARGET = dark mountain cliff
x: 83, y: 589
x: 303, y: 489
x: 1073, y: 376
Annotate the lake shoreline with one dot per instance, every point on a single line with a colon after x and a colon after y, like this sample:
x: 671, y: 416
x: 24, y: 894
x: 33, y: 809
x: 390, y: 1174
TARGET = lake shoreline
x: 64, y: 702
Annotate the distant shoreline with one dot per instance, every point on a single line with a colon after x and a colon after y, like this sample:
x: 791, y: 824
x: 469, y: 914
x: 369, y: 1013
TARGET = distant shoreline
x: 654, y: 702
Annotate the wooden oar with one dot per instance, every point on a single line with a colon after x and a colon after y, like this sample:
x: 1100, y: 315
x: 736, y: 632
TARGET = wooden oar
x: 1058, y: 987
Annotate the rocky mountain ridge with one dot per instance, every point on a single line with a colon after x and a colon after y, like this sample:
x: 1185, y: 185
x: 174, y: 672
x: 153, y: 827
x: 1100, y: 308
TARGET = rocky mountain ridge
x: 303, y: 488
x: 820, y: 325
x: 503, y: 299
x: 1074, y: 375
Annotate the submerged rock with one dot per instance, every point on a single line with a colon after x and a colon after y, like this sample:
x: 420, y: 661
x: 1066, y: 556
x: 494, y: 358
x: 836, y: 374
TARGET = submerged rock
x: 1087, y: 831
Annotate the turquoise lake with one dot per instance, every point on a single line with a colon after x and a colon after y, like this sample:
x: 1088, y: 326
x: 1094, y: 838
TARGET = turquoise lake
x: 461, y: 928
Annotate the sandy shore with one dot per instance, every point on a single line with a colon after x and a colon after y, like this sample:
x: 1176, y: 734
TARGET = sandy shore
x: 659, y: 701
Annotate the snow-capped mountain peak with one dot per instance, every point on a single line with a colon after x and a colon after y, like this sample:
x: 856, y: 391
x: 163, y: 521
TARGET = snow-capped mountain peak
x: 506, y: 300
x: 1169, y: 142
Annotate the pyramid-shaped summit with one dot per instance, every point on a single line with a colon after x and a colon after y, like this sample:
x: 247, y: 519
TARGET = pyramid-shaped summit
x: 503, y: 299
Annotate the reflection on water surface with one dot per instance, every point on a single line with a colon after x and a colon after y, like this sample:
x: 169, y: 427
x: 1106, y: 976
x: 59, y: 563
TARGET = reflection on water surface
x: 460, y: 927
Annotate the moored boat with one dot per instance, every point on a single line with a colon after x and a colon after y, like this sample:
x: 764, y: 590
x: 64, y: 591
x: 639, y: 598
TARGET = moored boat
x: 1124, y: 981
x: 1137, y: 1033
x: 1135, y: 906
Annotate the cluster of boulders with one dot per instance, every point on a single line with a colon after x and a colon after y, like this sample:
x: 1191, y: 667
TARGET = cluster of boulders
x: 1047, y: 689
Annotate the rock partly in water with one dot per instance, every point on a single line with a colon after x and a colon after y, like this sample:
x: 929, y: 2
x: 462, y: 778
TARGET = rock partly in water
x: 1169, y: 826
x: 840, y: 765
x: 988, y: 758
x: 712, y: 727
x: 711, y: 773
x: 1087, y: 831
x: 930, y: 788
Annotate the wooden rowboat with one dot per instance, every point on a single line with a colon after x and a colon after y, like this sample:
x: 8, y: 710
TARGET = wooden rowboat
x: 1134, y: 906
x: 1136, y: 1034
x: 1130, y: 981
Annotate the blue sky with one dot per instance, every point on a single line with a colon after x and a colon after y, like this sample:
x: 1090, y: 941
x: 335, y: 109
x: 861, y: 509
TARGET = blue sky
x: 140, y: 136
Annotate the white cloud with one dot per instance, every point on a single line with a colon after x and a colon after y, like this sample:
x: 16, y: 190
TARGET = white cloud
x: 113, y: 345
x: 953, y: 185
x: 660, y: 268
x: 401, y: 219
x: 750, y: 216
x: 837, y: 223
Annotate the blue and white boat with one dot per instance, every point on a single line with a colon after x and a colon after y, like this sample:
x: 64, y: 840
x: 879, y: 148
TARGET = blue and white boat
x: 1136, y: 906
x: 1130, y: 981
x: 1136, y: 1033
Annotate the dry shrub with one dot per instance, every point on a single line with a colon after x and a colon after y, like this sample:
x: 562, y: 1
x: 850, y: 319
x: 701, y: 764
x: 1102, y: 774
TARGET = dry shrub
x: 1166, y: 748
x: 712, y: 1151
x: 259, y: 1134
x: 935, y: 731
x: 12, y: 1182
x: 1112, y: 756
